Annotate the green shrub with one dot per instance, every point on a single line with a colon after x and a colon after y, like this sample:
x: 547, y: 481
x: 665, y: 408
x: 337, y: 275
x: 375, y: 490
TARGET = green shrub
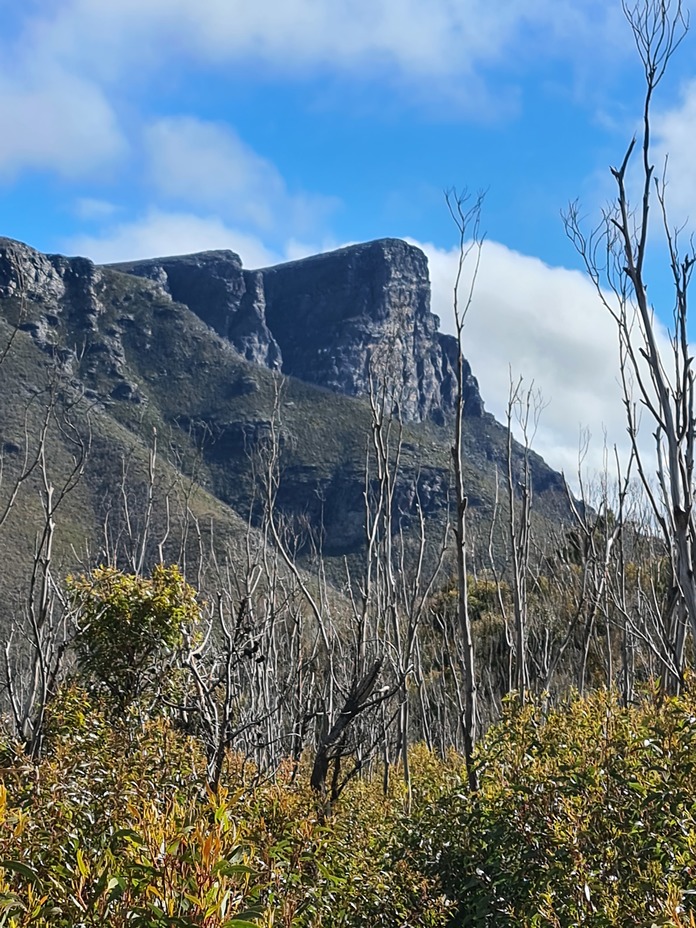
x: 584, y: 817
x: 114, y: 827
x: 127, y: 624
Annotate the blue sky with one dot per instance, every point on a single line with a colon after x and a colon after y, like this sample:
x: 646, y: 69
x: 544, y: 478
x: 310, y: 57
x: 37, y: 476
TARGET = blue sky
x: 279, y: 128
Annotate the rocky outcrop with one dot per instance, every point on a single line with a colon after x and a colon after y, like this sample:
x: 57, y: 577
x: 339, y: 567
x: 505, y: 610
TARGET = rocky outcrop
x: 338, y: 320
x: 57, y: 302
x: 335, y: 320
x: 364, y: 311
x: 227, y: 298
x: 127, y: 355
x: 29, y: 274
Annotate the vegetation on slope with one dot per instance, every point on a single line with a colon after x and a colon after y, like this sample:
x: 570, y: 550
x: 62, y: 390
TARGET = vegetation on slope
x: 585, y: 816
x: 171, y: 788
x: 115, y: 827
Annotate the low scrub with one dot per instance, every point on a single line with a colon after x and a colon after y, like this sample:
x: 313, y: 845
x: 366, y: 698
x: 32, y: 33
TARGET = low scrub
x: 586, y: 815
x: 114, y: 827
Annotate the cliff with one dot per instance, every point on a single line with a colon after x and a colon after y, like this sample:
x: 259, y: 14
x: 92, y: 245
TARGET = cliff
x: 333, y: 320
x: 190, y: 349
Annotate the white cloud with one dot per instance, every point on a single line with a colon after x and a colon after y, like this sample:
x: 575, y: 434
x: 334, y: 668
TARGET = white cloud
x: 546, y: 324
x: 160, y: 233
x: 94, y: 210
x: 70, y: 66
x: 675, y: 138
x: 406, y: 37
x: 53, y: 120
x: 207, y: 165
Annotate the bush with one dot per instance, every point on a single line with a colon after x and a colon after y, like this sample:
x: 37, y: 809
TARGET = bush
x: 114, y: 827
x: 127, y: 624
x: 584, y: 817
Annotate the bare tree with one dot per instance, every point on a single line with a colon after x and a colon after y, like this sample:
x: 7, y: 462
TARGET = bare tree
x: 615, y: 255
x: 226, y: 703
x: 399, y: 574
x: 466, y: 214
x: 524, y: 405
x: 40, y: 630
x: 36, y: 642
x: 343, y: 682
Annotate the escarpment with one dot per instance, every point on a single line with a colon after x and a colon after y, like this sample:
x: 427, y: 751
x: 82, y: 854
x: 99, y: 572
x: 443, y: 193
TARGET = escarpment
x: 336, y: 320
x: 212, y: 360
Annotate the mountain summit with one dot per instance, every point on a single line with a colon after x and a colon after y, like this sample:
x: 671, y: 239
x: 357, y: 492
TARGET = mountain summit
x: 215, y: 360
x: 334, y: 319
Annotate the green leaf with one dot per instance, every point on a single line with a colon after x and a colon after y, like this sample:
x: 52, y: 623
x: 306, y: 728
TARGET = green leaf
x: 130, y: 835
x: 225, y: 868
x: 81, y: 865
x: 23, y: 869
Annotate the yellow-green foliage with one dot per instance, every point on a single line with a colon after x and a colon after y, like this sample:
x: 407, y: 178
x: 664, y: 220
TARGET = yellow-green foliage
x: 126, y: 622
x: 587, y: 817
x: 113, y: 827
x: 109, y: 830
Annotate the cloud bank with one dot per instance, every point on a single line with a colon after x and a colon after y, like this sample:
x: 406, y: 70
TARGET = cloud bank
x: 56, y: 121
x: 158, y: 233
x: 547, y: 325
x: 406, y: 36
x: 208, y: 165
x: 78, y: 74
x: 674, y: 144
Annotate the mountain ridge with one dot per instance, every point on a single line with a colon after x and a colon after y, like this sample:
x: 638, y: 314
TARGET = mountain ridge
x: 332, y: 319
x: 130, y: 361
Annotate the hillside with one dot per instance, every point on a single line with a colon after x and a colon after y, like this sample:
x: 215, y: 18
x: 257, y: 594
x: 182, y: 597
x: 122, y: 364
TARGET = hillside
x: 125, y: 361
x: 281, y: 742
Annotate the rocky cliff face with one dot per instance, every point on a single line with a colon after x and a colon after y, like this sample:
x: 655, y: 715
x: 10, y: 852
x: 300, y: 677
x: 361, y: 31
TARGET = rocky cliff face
x: 333, y: 320
x: 26, y: 272
x: 58, y: 302
x: 126, y: 350
x: 226, y: 297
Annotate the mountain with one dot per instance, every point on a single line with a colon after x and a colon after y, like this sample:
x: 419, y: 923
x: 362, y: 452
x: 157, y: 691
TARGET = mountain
x: 199, y: 352
x: 328, y: 319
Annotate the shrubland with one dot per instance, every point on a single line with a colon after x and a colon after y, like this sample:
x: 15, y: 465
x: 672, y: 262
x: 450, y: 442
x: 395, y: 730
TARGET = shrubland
x: 115, y: 826
x: 459, y: 732
x: 585, y: 815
